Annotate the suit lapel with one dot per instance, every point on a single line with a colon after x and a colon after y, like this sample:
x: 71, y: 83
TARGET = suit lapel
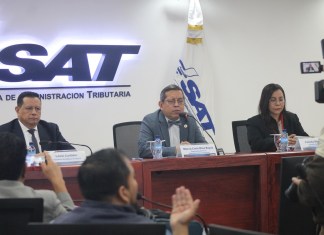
x: 164, y: 128
x: 43, y: 134
x: 17, y: 130
x: 184, y: 130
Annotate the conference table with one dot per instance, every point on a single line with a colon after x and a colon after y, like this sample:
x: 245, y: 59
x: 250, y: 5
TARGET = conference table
x: 239, y: 190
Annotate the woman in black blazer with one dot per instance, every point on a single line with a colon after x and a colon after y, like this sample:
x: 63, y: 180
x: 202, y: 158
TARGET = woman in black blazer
x: 272, y: 119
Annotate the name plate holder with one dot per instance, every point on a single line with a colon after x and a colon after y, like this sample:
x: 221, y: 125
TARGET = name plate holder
x: 306, y: 143
x: 197, y: 150
x: 68, y: 157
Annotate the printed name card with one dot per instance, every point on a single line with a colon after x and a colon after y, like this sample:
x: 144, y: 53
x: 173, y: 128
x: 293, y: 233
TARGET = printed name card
x: 197, y: 150
x: 306, y: 143
x: 65, y: 158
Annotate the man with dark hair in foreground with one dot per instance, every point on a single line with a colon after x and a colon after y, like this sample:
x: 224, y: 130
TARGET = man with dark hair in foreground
x: 107, y: 181
x: 12, y: 170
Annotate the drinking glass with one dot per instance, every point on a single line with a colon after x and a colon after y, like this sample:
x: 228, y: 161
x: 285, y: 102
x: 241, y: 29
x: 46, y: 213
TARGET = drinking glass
x: 276, y: 140
x: 152, y: 148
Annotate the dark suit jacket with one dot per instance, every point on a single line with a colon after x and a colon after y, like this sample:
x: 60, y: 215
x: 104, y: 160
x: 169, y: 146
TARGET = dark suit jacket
x: 47, y: 132
x: 96, y: 212
x: 259, y: 134
x: 155, y: 124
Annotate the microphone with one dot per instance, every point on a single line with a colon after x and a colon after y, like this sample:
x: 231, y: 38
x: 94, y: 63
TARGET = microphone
x: 219, y: 151
x: 141, y: 197
x: 63, y: 142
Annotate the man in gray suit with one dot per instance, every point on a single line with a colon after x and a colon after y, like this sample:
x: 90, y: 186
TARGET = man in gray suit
x: 29, y: 110
x: 169, y: 125
x: 12, y: 170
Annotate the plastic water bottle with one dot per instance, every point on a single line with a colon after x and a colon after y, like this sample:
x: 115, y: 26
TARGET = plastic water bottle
x: 284, y: 141
x: 31, y: 152
x: 157, y: 149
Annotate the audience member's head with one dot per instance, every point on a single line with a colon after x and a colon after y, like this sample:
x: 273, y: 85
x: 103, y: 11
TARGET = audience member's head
x: 267, y: 99
x: 29, y: 108
x: 172, y: 101
x: 107, y: 175
x: 12, y: 156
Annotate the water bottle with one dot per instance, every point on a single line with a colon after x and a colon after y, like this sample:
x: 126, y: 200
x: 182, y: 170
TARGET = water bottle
x: 284, y: 141
x: 31, y: 152
x: 157, y: 149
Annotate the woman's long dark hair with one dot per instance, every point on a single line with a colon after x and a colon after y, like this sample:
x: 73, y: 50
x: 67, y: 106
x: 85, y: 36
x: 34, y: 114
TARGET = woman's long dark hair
x: 264, y: 105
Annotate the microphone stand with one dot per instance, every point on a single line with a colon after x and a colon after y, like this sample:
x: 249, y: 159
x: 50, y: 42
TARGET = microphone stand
x: 219, y: 151
x: 62, y: 142
x: 141, y: 197
x: 83, y: 145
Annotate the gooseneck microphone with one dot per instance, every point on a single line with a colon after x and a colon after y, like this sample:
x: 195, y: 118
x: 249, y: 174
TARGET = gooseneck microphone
x: 63, y: 142
x: 141, y: 197
x: 219, y: 151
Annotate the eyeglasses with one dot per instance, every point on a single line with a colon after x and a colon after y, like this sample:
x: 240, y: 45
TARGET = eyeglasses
x: 180, y: 101
x: 274, y: 100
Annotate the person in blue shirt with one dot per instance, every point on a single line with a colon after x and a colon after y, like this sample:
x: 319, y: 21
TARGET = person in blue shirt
x: 108, y: 184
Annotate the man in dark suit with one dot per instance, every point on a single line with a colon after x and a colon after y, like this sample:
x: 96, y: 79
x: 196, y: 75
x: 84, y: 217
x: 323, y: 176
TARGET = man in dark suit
x: 28, y: 123
x: 168, y: 125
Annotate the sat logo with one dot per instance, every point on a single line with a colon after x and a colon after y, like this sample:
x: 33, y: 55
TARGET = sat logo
x: 79, y: 70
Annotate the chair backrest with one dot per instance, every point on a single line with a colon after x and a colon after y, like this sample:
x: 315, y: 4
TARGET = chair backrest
x: 241, y: 141
x: 86, y: 229
x: 294, y: 218
x: 216, y: 229
x: 126, y: 137
x: 16, y: 213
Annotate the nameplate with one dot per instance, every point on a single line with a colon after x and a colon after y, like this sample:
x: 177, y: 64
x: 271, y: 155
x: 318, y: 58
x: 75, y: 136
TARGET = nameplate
x: 65, y: 158
x: 306, y: 143
x: 197, y: 150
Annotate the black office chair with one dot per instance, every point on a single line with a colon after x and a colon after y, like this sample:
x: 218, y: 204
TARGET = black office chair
x: 86, y: 229
x: 240, y: 136
x: 216, y: 229
x: 126, y: 137
x: 16, y: 213
x: 294, y: 218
